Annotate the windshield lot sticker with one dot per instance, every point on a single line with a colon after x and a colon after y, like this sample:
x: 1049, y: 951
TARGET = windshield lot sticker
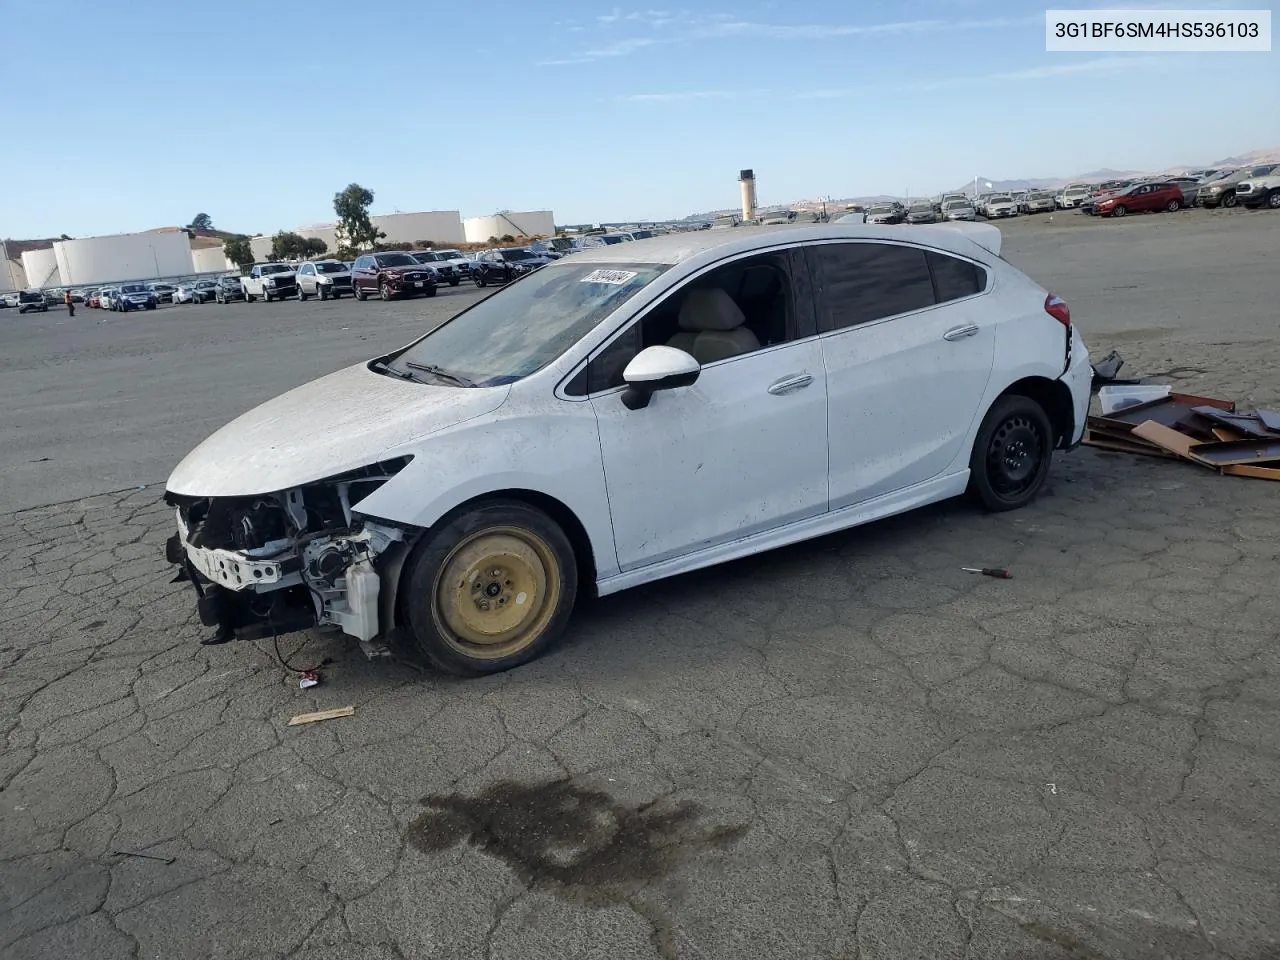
x: 615, y: 277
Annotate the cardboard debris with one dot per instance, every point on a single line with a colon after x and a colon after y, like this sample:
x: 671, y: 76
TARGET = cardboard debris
x: 321, y: 715
x: 1205, y: 431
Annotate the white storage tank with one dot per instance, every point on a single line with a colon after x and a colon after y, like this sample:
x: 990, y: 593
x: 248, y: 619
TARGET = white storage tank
x: 126, y: 256
x: 518, y: 223
x: 41, y: 267
x: 210, y: 260
x: 12, y: 276
x: 261, y: 247
x: 438, y: 226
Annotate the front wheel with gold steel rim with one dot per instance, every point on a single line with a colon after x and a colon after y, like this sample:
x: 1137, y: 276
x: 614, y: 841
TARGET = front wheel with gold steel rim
x: 490, y: 589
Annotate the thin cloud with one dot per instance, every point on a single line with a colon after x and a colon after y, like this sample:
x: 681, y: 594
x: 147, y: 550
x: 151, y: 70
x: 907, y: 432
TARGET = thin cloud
x: 683, y: 95
x: 724, y: 26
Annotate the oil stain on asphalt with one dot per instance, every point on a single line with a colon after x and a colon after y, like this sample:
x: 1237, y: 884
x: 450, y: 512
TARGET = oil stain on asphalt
x: 573, y: 841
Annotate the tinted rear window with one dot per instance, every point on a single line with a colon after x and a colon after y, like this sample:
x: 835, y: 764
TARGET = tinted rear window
x: 862, y: 282
x: 954, y: 278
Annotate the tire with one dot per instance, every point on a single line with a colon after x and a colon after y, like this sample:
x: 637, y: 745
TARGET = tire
x: 302, y: 297
x: 465, y: 588
x: 1119, y: 210
x: 1173, y: 206
x: 248, y: 298
x: 479, y: 280
x: 454, y: 282
x: 384, y: 290
x: 430, y: 291
x: 321, y: 293
x: 1230, y: 199
x: 1273, y: 199
x: 357, y: 293
x: 1011, y: 455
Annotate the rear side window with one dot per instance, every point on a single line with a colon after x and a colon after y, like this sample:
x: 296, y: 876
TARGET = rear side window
x: 954, y: 278
x: 862, y: 282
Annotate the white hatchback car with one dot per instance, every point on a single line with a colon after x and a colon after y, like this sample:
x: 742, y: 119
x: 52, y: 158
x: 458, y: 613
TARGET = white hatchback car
x: 624, y: 414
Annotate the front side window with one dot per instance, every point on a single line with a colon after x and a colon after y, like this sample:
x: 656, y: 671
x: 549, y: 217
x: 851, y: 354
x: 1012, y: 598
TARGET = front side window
x: 307, y: 270
x: 395, y: 260
x: 526, y: 325
x: 330, y: 267
x: 733, y: 310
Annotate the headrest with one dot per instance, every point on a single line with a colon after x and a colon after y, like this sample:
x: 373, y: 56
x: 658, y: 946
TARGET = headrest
x: 709, y: 308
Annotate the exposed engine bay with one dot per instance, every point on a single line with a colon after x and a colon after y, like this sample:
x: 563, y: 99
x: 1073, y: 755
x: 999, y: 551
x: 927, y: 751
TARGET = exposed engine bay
x: 272, y: 564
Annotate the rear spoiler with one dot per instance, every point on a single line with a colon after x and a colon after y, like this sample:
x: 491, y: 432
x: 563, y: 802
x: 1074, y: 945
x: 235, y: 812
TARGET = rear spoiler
x: 984, y: 235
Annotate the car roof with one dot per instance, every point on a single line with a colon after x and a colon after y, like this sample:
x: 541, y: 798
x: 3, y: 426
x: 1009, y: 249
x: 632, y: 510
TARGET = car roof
x: 676, y: 248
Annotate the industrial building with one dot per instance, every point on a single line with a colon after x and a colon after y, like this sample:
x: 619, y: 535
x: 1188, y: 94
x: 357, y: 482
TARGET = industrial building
x: 210, y: 259
x: 12, y: 275
x: 517, y: 223
x: 126, y: 256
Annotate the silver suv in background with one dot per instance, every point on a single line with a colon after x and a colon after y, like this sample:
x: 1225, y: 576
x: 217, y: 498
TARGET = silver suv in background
x: 1222, y: 191
x: 326, y: 279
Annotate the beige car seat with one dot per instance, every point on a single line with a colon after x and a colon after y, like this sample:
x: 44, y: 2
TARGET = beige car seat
x: 711, y: 327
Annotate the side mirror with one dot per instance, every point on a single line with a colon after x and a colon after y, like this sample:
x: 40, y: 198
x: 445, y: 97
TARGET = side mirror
x: 654, y: 369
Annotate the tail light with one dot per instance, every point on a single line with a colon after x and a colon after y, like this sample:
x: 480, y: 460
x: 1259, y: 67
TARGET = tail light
x: 1056, y: 307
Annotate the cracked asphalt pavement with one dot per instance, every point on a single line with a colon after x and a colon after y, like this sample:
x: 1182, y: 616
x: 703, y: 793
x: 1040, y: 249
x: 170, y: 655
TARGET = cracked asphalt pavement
x: 848, y: 749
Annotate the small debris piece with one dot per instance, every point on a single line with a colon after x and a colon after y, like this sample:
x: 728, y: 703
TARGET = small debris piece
x: 321, y: 715
x: 1258, y: 473
x: 141, y: 856
x: 309, y: 679
x: 1000, y: 573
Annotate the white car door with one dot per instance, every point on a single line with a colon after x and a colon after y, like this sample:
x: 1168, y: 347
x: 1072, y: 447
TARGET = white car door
x: 909, y: 345
x: 743, y: 449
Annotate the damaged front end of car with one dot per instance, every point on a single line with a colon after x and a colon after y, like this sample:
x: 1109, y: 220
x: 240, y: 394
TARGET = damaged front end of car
x: 291, y: 560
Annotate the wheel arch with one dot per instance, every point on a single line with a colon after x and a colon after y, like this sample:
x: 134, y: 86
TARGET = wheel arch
x: 557, y: 510
x: 1055, y: 399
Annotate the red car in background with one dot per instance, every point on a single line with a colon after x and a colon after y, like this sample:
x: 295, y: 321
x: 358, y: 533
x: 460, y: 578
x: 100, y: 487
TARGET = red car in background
x: 1141, y: 196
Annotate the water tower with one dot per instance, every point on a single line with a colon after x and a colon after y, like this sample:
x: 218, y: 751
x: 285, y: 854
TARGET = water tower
x: 747, y: 180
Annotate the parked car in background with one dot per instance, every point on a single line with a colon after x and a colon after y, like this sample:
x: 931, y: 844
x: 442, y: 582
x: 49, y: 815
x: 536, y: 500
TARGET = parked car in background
x: 1038, y: 201
x: 134, y: 296
x: 922, y: 212
x: 380, y: 497
x: 205, y: 291
x: 457, y: 259
x: 391, y: 275
x: 91, y: 297
x: 270, y: 281
x: 950, y: 197
x: 106, y: 298
x: 444, y: 271
x: 9, y: 299
x: 1145, y: 197
x: 325, y: 279
x: 185, y: 293
x: 1073, y: 195
x: 1190, y: 187
x: 1260, y: 191
x: 1221, y: 192
x: 32, y: 301
x: 893, y: 212
x: 164, y: 291
x: 504, y: 265
x: 229, y: 289
x: 954, y: 210
x: 77, y: 295
x: 1000, y: 206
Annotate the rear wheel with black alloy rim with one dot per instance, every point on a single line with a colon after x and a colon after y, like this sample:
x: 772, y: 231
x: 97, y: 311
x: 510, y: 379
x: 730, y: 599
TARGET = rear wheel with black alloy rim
x: 479, y: 280
x: 1011, y: 455
x: 491, y: 589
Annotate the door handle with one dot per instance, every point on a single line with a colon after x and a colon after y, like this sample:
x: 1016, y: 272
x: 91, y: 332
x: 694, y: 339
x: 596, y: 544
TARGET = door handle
x: 787, y: 384
x: 959, y: 333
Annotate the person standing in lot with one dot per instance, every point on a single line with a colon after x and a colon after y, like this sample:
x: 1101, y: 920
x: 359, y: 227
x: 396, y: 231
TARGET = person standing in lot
x: 71, y: 307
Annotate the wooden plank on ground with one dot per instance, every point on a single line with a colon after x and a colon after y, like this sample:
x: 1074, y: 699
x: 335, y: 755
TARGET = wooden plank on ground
x: 1168, y: 439
x: 1105, y: 442
x: 1258, y: 472
x: 321, y: 715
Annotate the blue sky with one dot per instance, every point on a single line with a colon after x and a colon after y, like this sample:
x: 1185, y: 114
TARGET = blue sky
x: 149, y: 112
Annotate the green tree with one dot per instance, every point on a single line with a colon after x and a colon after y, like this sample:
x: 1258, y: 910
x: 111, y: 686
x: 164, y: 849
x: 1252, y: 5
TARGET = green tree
x: 355, y: 231
x: 238, y: 251
x: 201, y: 221
x: 287, y: 245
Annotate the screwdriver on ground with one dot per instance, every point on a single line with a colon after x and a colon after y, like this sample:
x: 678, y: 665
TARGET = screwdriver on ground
x: 1000, y: 573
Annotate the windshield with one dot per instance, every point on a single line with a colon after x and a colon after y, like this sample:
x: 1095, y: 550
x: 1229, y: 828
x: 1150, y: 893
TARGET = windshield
x: 206, y: 284
x: 922, y: 208
x: 1001, y: 200
x: 525, y: 326
x: 395, y: 260
x: 425, y: 257
x: 331, y: 267
x: 956, y: 205
x: 275, y: 268
x: 517, y: 255
x: 133, y: 288
x: 881, y: 208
